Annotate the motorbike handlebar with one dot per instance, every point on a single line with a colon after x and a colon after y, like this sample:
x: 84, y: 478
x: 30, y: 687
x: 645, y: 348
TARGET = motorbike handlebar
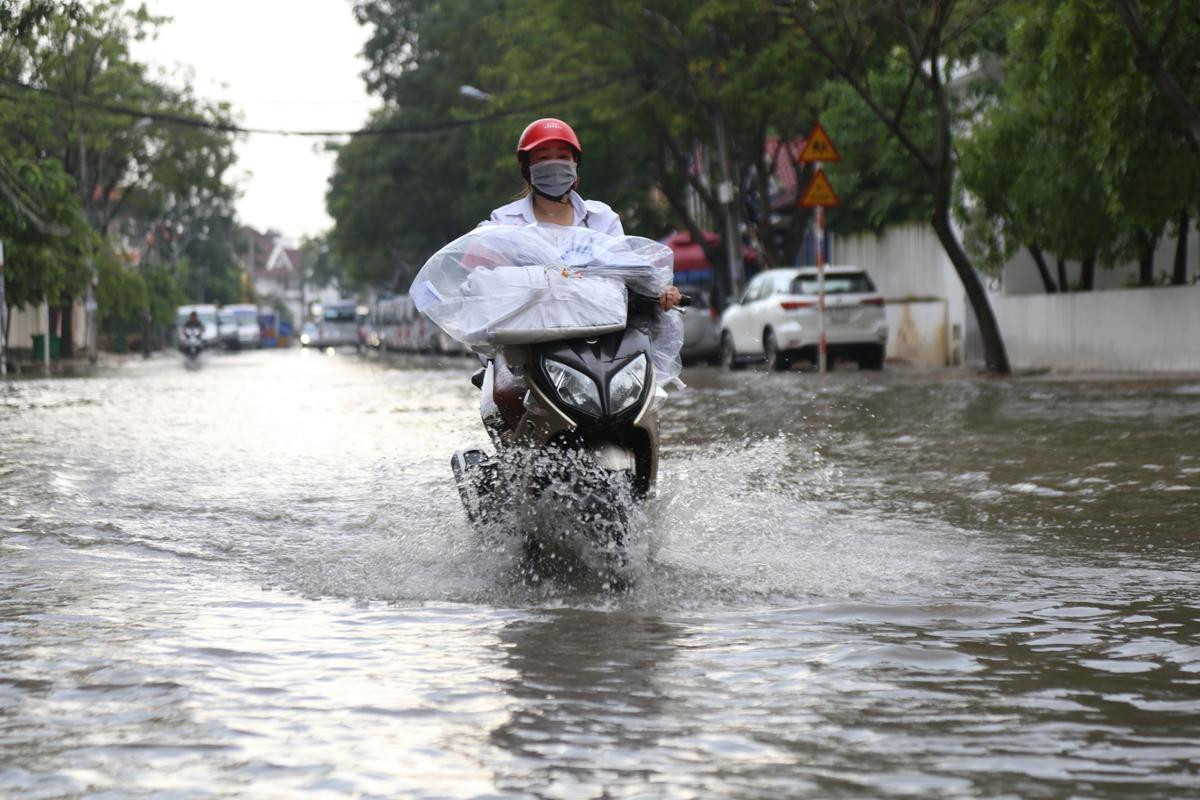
x: 647, y: 300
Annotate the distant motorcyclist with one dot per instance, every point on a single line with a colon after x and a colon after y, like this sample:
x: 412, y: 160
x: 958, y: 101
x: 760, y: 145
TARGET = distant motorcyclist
x: 193, y: 323
x: 191, y: 338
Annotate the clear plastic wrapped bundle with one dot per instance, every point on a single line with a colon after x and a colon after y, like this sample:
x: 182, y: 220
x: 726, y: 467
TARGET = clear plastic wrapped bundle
x: 518, y: 285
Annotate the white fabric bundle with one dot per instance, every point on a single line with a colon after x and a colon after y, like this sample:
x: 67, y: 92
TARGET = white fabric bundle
x: 522, y: 305
x: 518, y: 285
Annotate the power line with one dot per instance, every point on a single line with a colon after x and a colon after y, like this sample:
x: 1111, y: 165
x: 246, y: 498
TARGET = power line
x: 410, y: 129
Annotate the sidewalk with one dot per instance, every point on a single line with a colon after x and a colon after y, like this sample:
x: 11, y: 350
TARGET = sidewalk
x: 25, y: 367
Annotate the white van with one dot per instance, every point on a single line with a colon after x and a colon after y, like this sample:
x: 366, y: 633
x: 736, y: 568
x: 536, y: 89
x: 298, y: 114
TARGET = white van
x: 339, y: 324
x: 207, y: 315
x: 244, y: 319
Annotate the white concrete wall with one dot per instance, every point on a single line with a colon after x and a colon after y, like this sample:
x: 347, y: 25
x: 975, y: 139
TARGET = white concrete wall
x: 27, y: 321
x: 925, y: 300
x: 1137, y: 330
x: 1020, y: 275
x: 919, y: 332
x: 1118, y: 329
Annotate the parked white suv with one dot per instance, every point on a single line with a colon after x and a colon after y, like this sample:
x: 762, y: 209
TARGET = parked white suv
x: 776, y: 319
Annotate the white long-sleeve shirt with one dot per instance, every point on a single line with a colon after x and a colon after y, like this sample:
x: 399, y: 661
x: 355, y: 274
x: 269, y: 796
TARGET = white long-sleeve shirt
x: 591, y: 214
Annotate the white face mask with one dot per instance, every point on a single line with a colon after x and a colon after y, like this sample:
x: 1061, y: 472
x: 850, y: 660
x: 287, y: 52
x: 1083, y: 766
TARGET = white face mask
x: 553, y: 178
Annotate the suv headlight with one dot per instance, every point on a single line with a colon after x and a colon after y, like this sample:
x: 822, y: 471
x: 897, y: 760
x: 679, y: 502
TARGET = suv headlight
x: 573, y: 387
x: 626, y: 386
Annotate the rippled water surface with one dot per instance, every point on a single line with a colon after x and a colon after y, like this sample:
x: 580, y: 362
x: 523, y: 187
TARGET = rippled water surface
x: 254, y: 579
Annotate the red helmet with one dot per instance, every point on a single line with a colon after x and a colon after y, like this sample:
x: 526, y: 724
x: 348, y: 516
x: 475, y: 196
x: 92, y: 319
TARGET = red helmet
x: 545, y: 130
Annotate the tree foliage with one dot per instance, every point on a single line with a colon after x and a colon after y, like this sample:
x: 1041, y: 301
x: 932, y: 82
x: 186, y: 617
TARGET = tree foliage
x: 1080, y: 156
x: 1039, y: 125
x: 96, y: 180
x: 649, y: 86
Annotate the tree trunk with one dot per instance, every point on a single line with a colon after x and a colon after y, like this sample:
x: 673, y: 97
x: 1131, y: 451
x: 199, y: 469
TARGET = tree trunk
x: 54, y: 313
x: 66, y: 348
x: 940, y: 169
x: 1087, y: 273
x: 995, y: 355
x: 1039, y: 258
x: 1148, y: 59
x: 1145, y: 245
x: 1179, y: 275
x: 146, y: 333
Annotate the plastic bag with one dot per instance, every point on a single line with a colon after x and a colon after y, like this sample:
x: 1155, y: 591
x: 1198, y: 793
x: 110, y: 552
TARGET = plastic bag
x: 515, y: 285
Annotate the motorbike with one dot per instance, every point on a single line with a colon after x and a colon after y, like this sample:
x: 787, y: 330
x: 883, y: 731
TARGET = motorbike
x: 192, y: 344
x: 575, y: 426
x: 576, y: 350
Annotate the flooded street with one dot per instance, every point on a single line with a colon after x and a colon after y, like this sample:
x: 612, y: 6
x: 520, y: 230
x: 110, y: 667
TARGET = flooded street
x: 255, y: 579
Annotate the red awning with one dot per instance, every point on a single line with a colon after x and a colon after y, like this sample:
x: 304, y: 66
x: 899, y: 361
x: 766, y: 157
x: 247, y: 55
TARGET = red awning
x: 690, y: 256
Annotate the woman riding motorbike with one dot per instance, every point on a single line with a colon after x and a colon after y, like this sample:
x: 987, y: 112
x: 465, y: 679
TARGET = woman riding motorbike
x: 549, y: 154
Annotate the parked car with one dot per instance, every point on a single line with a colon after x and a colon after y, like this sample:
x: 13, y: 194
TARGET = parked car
x: 775, y: 320
x: 701, y: 328
x: 207, y: 315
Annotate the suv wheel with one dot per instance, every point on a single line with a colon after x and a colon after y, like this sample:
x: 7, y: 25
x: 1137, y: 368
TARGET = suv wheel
x: 776, y: 361
x: 729, y: 354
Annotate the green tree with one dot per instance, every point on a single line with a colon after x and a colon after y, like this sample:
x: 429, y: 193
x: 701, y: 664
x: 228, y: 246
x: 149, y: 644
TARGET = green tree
x: 423, y: 174
x: 650, y: 86
x: 322, y: 267
x: 143, y: 161
x: 41, y: 222
x: 1080, y: 159
x: 669, y: 81
x: 1163, y: 40
x: 878, y: 183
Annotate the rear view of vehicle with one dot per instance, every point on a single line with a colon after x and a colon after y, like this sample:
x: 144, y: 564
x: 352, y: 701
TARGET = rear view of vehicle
x: 339, y: 326
x: 855, y: 323
x: 246, y: 334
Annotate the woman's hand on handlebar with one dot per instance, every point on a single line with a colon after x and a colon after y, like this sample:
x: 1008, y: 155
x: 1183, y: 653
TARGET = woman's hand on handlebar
x: 670, y: 298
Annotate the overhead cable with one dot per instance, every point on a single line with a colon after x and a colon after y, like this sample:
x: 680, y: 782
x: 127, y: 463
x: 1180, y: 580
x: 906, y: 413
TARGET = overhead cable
x: 409, y: 129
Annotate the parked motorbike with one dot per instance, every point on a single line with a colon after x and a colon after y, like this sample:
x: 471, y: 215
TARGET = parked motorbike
x: 575, y: 427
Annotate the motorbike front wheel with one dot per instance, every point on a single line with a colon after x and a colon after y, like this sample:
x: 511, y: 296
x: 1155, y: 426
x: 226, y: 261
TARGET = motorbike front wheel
x: 584, y: 521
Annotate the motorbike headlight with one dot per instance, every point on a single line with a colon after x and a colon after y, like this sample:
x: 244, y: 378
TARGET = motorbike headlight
x: 573, y: 387
x: 626, y: 386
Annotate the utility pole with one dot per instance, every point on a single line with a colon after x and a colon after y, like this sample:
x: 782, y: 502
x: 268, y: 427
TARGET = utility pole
x: 89, y: 307
x: 44, y: 323
x: 819, y: 194
x: 3, y: 319
x: 727, y: 195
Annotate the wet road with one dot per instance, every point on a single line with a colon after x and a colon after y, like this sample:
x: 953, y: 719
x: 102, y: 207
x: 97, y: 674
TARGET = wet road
x: 254, y: 580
